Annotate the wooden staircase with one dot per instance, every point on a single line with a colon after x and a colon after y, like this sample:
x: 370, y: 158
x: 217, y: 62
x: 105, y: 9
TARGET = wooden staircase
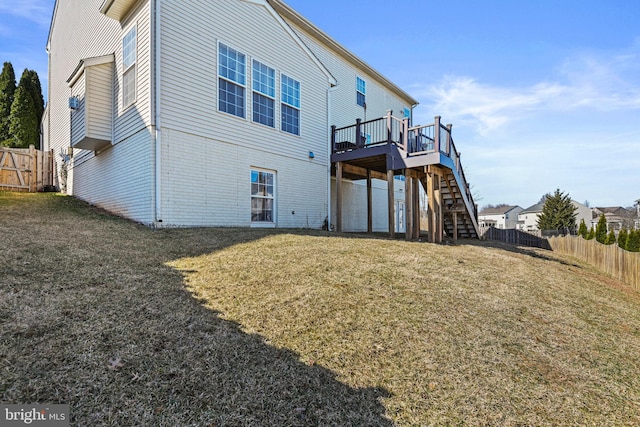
x: 388, y: 146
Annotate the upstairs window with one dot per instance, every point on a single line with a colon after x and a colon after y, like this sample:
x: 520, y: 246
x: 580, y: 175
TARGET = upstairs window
x: 264, y: 94
x: 231, y: 81
x: 129, y: 58
x: 290, y: 89
x: 361, y: 91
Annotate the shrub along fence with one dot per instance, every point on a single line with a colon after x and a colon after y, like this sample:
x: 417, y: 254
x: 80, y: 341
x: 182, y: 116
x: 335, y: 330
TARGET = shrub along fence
x: 621, y: 264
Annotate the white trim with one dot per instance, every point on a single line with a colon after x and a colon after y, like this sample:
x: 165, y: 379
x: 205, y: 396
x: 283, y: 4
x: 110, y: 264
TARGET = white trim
x: 89, y: 62
x: 330, y: 78
x: 274, y: 198
x: 132, y: 67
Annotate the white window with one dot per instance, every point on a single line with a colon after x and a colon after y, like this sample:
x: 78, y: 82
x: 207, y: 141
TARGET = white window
x: 263, y: 185
x: 264, y: 94
x: 361, y: 91
x: 129, y: 58
x: 290, y: 109
x: 231, y: 81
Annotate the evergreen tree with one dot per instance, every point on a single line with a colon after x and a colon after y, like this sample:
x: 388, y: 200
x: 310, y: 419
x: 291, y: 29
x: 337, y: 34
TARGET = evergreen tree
x: 7, y: 91
x: 582, y: 229
x: 633, y: 241
x: 591, y: 234
x: 611, y: 238
x: 601, y: 229
x: 23, y: 120
x: 558, y: 213
x: 35, y: 89
x: 622, y: 238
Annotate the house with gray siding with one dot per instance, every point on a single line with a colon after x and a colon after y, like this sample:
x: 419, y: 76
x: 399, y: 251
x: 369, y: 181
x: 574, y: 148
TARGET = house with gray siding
x: 207, y: 112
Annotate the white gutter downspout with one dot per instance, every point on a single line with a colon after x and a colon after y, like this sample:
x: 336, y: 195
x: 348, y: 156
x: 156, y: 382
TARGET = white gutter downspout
x: 157, y: 115
x: 330, y: 151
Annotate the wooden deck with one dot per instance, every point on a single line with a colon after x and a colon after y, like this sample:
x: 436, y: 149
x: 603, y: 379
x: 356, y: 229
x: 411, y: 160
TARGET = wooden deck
x: 388, y: 146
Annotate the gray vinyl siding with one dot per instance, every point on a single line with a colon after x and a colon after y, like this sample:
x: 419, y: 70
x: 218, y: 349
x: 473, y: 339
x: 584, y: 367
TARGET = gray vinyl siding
x: 207, y: 155
x: 344, y: 109
x: 78, y: 116
x: 100, y: 81
x: 80, y: 31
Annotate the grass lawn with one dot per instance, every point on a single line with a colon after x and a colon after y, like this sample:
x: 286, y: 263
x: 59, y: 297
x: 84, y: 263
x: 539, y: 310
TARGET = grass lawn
x: 235, y: 327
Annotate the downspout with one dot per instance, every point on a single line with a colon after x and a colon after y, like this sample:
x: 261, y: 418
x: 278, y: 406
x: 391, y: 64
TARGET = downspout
x: 330, y: 151
x: 156, y: 13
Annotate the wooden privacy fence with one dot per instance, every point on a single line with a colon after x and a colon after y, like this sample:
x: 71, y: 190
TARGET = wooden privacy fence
x: 516, y: 237
x: 621, y: 264
x: 25, y: 169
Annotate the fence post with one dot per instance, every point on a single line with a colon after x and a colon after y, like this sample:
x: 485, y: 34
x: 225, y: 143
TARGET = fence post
x: 32, y: 168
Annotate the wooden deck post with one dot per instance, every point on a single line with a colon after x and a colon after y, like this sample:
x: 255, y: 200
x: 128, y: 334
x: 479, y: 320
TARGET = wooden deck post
x: 434, y: 212
x: 437, y: 199
x: 455, y: 227
x: 416, y: 210
x: 436, y: 134
x: 408, y: 202
x: 391, y: 204
x: 369, y: 203
x: 339, y: 197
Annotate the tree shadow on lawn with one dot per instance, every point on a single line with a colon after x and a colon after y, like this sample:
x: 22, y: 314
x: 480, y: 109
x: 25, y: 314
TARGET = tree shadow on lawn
x: 97, y: 320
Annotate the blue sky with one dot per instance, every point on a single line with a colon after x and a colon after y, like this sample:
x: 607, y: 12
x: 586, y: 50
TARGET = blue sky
x: 541, y: 95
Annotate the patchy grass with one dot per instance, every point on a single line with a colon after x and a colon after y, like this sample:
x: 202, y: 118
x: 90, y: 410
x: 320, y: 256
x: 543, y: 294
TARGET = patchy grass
x: 262, y: 327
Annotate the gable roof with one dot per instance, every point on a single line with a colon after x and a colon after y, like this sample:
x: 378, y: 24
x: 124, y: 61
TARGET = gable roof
x: 291, y: 15
x: 534, y: 208
x: 498, y: 211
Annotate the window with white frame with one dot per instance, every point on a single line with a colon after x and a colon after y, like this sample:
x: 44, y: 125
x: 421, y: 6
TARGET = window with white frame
x: 262, y: 196
x: 129, y: 59
x: 231, y: 80
x: 361, y: 91
x: 290, y: 110
x: 264, y: 94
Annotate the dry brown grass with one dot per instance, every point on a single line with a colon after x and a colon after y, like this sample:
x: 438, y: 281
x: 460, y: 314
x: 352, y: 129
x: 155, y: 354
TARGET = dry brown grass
x: 258, y: 327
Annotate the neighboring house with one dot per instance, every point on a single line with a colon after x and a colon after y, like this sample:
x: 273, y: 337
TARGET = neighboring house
x: 503, y: 217
x: 204, y: 113
x: 528, y: 218
x: 617, y: 218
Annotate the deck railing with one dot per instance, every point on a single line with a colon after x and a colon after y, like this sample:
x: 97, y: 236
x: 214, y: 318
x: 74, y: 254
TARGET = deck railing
x: 415, y: 141
x: 381, y: 131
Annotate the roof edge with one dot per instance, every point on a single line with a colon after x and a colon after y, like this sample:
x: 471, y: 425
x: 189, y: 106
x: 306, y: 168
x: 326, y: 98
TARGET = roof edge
x: 290, y: 14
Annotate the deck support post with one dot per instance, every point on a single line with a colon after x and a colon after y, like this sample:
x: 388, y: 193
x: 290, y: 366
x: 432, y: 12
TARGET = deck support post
x: 455, y: 227
x: 434, y: 211
x: 416, y: 210
x: 369, y: 203
x: 339, y: 197
x: 391, y: 204
x: 408, y: 202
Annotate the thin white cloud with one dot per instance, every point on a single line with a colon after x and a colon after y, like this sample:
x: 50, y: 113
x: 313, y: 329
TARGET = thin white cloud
x: 37, y: 11
x: 583, y: 81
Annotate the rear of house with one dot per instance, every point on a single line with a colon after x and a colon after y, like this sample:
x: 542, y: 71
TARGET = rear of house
x: 206, y: 113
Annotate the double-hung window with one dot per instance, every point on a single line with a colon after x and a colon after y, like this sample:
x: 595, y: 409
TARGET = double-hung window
x: 264, y: 94
x: 361, y: 91
x: 231, y: 81
x: 262, y: 196
x: 129, y: 58
x: 290, y: 110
